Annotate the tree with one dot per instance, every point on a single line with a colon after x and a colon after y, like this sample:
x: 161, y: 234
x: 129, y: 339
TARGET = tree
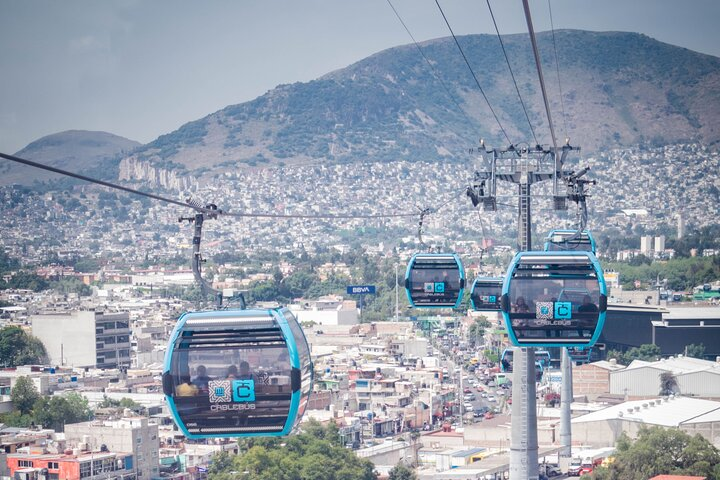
x: 314, y: 454
x: 478, y: 328
x: 668, y: 383
x: 24, y: 395
x: 647, y: 352
x: 19, y: 348
x: 695, y: 351
x: 57, y: 411
x: 401, y: 472
x: 681, y: 455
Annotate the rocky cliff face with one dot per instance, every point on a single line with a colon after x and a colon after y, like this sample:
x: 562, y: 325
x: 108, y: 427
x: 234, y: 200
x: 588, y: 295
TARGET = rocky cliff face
x: 134, y: 169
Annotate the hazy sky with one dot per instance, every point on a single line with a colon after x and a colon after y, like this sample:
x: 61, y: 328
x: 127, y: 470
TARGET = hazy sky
x: 142, y: 68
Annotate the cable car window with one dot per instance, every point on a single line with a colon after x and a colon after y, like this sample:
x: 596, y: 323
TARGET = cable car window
x: 554, y: 299
x: 486, y: 293
x: 435, y: 280
x: 211, y: 381
x: 237, y: 373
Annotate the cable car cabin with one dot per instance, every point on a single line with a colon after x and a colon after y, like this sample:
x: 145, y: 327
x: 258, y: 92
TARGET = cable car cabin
x: 506, y: 364
x: 543, y: 356
x: 539, y: 370
x: 569, y: 241
x: 506, y: 361
x: 435, y: 280
x: 237, y: 373
x: 578, y: 354
x: 554, y: 299
x: 485, y: 294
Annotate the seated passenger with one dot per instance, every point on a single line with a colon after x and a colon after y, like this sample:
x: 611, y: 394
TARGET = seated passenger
x: 185, y: 388
x: 245, y: 371
x: 587, y: 305
x: 520, y: 306
x: 202, y: 379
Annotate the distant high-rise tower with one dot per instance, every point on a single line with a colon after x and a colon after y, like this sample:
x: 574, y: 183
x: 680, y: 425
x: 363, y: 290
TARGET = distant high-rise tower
x: 660, y: 243
x: 680, y: 226
x: 646, y: 244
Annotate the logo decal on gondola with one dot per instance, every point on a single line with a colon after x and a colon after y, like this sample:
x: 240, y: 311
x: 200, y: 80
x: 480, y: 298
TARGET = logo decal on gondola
x: 243, y: 390
x: 544, y: 310
x: 563, y: 310
x: 220, y: 391
x: 429, y: 287
x: 439, y: 287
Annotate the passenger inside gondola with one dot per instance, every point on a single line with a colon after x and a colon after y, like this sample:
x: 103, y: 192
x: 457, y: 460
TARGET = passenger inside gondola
x: 587, y: 305
x: 201, y: 379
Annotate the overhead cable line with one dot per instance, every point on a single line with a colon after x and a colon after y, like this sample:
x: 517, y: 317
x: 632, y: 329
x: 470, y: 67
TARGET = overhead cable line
x: 557, y: 69
x: 477, y: 82
x: 427, y: 60
x: 507, y: 60
x: 194, y: 205
x: 536, y: 53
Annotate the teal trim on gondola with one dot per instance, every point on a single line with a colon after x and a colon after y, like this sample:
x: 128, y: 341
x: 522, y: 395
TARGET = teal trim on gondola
x: 486, y: 280
x: 294, y: 363
x: 461, y: 272
x: 602, y: 291
x: 278, y: 316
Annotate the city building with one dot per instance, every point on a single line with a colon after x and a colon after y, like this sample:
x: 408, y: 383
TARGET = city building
x: 694, y: 377
x: 602, y: 428
x: 72, y: 466
x: 327, y: 311
x: 646, y: 245
x: 660, y: 244
x: 134, y: 435
x: 84, y: 338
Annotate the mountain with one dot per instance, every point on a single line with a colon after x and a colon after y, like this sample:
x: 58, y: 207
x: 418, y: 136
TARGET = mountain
x: 90, y: 153
x: 619, y: 89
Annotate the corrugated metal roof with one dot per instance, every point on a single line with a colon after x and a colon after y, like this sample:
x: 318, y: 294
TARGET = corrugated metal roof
x: 605, y: 365
x: 678, y: 365
x: 670, y: 413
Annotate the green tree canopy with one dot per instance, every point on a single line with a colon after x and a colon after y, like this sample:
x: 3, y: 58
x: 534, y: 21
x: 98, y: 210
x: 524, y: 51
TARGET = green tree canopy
x: 695, y: 351
x: 661, y: 451
x: 647, y: 352
x: 24, y: 395
x: 401, y: 472
x: 314, y: 454
x: 57, y: 411
x: 19, y: 348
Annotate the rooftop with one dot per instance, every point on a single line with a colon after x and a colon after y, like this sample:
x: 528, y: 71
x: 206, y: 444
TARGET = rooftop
x: 668, y: 412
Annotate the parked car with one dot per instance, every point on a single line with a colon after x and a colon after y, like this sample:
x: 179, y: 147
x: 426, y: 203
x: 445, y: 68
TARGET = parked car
x: 550, y: 470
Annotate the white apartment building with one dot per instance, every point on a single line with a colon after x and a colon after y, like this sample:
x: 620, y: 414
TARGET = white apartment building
x: 84, y: 338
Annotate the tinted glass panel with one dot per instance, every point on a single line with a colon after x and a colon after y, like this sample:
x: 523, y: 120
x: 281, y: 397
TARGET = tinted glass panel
x: 231, y: 388
x: 554, y: 304
x: 435, y: 281
x: 486, y: 294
